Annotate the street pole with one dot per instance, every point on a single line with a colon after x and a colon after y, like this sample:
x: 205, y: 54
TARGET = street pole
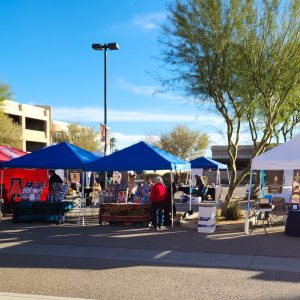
x: 110, y: 46
x: 105, y: 111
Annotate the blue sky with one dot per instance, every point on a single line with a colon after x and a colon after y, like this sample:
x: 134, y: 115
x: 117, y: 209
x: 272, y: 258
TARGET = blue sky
x: 46, y: 58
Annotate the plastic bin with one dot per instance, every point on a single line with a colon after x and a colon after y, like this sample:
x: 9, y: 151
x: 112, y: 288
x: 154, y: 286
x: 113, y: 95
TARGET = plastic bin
x: 207, y: 219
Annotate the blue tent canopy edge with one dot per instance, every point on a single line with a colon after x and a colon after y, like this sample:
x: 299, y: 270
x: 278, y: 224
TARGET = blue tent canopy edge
x: 206, y: 163
x: 141, y: 156
x: 56, y: 156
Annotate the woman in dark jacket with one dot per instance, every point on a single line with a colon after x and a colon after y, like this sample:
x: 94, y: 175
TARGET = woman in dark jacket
x: 168, y: 203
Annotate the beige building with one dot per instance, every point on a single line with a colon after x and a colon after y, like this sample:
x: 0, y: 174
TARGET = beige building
x: 35, y: 121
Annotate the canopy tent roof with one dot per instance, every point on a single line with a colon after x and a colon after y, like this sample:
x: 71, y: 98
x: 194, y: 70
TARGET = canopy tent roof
x: 8, y: 153
x: 57, y: 156
x: 139, y: 157
x: 283, y: 157
x: 206, y: 163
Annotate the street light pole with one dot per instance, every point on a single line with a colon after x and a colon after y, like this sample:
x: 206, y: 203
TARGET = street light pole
x: 105, y: 101
x: 110, y: 46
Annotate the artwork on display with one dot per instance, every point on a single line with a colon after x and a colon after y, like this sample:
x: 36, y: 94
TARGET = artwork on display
x: 75, y: 177
x: 275, y: 182
x: 117, y: 177
x: 58, y: 192
x: 296, y: 187
x: 32, y: 191
x: 115, y: 193
x: 295, y: 197
x: 296, y: 181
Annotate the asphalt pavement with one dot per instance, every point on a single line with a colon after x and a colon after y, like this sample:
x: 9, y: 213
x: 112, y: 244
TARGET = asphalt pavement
x: 73, y: 261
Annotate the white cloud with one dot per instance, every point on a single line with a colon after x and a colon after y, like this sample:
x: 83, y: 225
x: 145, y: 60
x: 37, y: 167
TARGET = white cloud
x: 93, y: 114
x: 149, y: 91
x: 125, y: 140
x: 149, y: 21
x: 136, y: 89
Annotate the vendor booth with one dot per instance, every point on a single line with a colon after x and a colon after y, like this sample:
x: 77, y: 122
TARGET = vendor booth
x: 58, y: 156
x: 13, y: 181
x: 138, y: 157
x: 204, y: 163
x: 283, y: 165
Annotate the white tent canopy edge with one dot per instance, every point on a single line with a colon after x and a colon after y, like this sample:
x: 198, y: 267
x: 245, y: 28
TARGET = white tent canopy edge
x: 283, y: 157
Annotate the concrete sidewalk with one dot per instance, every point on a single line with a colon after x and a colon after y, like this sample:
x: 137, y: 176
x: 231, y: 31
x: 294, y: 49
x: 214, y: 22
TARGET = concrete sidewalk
x: 276, y: 243
x: 196, y: 259
x: 13, y: 296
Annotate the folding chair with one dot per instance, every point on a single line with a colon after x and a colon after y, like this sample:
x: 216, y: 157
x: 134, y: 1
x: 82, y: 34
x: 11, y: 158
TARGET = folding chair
x: 279, y: 211
x: 261, y: 213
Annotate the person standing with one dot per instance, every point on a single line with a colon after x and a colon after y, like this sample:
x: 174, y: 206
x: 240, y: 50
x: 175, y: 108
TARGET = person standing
x: 158, y: 196
x: 54, y: 178
x: 199, y: 184
x: 168, y: 203
x: 131, y: 185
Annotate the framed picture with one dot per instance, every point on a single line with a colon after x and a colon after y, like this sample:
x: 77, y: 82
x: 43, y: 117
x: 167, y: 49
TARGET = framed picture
x: 296, y: 181
x: 275, y: 182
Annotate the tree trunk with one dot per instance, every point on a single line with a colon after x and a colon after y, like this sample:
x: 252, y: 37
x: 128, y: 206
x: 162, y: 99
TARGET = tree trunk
x: 234, y: 182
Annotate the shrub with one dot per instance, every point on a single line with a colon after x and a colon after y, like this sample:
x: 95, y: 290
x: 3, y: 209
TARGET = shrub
x: 232, y: 212
x: 217, y: 216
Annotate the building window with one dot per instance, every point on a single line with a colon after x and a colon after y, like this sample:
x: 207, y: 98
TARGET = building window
x: 32, y: 146
x: 15, y: 119
x: 34, y: 124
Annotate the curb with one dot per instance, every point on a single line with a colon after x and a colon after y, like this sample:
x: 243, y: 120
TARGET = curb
x: 219, y: 227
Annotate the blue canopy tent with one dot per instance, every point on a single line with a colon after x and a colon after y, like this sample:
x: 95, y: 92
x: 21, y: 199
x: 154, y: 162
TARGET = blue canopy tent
x: 57, y: 156
x: 207, y: 163
x: 140, y: 157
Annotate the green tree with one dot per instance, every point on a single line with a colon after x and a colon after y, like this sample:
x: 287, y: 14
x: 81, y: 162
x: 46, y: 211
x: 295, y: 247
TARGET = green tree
x: 80, y: 136
x: 242, y: 59
x: 5, y: 94
x: 183, y: 142
x: 10, y: 132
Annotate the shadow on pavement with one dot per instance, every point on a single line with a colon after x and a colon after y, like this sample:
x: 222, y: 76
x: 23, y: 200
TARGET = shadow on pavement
x: 184, y: 241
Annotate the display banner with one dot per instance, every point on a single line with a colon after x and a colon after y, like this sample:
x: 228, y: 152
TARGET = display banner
x: 15, y: 187
x: 296, y: 187
x: 275, y: 182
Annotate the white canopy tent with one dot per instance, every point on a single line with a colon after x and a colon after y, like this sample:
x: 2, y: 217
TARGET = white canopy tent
x: 283, y: 157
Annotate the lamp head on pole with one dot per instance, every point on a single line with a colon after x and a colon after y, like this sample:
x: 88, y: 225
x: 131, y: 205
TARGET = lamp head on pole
x: 110, y: 46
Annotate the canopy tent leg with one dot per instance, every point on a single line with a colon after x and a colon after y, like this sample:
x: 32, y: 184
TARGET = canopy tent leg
x: 218, y: 177
x: 2, y: 176
x: 190, y: 184
x: 172, y: 199
x: 246, y: 229
x: 1, y: 199
x: 83, y: 203
x: 262, y: 181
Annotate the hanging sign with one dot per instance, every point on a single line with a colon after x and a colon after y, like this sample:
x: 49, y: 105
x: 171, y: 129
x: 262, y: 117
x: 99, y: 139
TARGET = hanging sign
x: 275, y: 182
x: 296, y: 187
